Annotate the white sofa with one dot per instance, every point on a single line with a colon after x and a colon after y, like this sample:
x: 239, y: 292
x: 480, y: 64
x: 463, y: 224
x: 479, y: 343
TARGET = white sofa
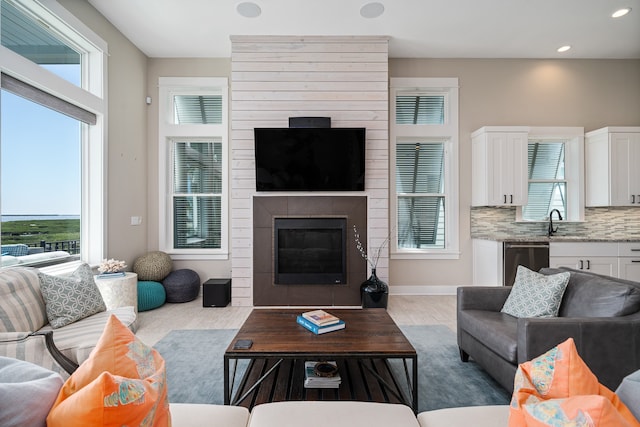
x: 334, y: 414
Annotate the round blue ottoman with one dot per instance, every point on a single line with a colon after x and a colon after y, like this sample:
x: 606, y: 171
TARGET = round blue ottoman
x: 182, y: 285
x: 150, y: 295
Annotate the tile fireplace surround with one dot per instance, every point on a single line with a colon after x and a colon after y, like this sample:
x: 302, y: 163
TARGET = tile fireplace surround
x: 266, y: 209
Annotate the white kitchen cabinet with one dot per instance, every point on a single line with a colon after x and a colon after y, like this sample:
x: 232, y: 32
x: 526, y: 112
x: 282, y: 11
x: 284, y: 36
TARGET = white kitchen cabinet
x: 629, y: 261
x: 612, y: 156
x: 593, y: 257
x: 499, y: 166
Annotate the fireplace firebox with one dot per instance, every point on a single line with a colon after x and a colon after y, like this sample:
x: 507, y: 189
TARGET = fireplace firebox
x: 310, y: 251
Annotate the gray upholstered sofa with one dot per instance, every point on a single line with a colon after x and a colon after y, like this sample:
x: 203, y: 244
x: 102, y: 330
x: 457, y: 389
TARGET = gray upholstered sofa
x: 602, y: 315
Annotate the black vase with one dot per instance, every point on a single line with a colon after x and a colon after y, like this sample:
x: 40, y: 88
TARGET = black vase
x: 374, y: 291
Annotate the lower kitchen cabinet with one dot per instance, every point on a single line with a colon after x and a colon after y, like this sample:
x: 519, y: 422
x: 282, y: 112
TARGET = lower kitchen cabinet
x: 629, y: 261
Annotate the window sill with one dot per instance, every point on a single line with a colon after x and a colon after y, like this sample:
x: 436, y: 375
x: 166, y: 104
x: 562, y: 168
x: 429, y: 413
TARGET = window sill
x: 422, y: 255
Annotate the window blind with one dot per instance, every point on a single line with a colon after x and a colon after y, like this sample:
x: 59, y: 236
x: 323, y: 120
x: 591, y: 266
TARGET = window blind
x: 420, y: 109
x: 198, y: 109
x: 32, y: 93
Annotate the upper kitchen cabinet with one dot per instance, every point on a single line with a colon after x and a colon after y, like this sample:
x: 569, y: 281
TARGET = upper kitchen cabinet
x: 612, y: 156
x: 499, y: 162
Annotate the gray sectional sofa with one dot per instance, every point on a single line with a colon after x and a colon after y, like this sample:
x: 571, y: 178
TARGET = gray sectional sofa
x: 601, y: 313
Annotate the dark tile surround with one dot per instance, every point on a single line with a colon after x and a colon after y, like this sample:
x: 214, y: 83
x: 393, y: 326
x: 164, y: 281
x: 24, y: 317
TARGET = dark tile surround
x: 265, y: 209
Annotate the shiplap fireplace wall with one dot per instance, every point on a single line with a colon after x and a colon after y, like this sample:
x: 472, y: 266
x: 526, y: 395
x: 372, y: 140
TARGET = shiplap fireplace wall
x: 277, y: 77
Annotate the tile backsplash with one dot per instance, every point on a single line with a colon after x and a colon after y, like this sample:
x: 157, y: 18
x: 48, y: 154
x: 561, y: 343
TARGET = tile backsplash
x: 609, y: 223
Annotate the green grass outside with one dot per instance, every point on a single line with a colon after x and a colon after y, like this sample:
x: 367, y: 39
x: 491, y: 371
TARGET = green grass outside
x: 31, y: 232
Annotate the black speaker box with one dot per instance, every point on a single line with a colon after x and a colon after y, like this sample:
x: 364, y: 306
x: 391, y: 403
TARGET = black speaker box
x: 216, y: 293
x: 309, y: 122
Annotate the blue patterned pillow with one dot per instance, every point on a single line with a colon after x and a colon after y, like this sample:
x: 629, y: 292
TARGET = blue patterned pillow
x: 535, y: 295
x: 71, y: 298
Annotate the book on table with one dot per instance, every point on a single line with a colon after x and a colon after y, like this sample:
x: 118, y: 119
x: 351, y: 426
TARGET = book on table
x: 313, y: 380
x: 320, y: 317
x: 318, y: 330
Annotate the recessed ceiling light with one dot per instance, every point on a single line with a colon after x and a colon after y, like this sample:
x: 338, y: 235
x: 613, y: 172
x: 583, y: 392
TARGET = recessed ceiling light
x: 564, y: 48
x: 372, y: 10
x: 621, y: 12
x: 249, y: 9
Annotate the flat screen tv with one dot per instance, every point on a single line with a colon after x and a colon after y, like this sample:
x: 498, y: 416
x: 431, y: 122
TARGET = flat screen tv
x: 310, y: 159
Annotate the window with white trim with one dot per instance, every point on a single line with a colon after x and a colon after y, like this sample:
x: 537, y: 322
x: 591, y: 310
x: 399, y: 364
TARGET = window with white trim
x: 424, y: 167
x: 53, y: 71
x: 193, y: 167
x: 554, y: 169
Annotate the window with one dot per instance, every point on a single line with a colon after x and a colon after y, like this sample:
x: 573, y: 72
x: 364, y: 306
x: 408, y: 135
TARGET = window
x: 547, y: 186
x: 193, y: 167
x: 424, y: 135
x: 554, y: 167
x: 52, y: 116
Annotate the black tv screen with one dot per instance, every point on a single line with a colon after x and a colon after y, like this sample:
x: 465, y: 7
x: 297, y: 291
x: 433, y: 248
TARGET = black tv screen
x: 310, y: 159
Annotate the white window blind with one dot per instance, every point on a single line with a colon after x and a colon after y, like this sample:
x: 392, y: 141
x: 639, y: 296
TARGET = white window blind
x: 420, y: 109
x: 421, y: 198
x: 547, y: 183
x: 197, y: 194
x: 198, y: 109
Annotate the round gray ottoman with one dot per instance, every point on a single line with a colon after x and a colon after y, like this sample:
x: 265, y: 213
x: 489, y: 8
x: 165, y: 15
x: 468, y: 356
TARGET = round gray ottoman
x: 182, y: 285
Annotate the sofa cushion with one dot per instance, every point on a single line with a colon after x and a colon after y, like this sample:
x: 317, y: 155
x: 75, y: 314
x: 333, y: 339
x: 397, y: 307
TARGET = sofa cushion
x: 77, y: 340
x: 476, y: 416
x: 629, y: 392
x: 27, y: 391
x: 22, y: 307
x: 497, y: 331
x: 558, y: 388
x: 71, y: 298
x: 535, y: 295
x: 332, y: 413
x: 592, y: 295
x: 123, y: 383
x: 201, y: 414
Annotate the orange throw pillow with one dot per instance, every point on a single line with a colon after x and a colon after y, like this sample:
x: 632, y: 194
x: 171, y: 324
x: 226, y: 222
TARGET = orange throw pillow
x: 122, y: 383
x: 558, y: 388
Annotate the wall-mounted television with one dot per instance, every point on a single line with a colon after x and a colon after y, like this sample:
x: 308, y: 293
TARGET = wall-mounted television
x: 310, y: 159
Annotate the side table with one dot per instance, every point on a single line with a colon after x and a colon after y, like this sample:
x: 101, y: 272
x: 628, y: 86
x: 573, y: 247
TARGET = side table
x: 119, y: 291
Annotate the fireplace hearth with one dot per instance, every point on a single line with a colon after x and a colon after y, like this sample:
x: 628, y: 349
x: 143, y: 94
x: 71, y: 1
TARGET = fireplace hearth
x: 303, y: 253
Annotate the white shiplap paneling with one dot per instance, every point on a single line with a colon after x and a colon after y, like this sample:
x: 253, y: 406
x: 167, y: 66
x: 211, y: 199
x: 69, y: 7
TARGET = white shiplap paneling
x: 277, y: 77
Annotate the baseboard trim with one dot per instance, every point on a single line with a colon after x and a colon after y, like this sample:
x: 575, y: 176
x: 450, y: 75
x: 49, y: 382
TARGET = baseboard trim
x: 422, y: 290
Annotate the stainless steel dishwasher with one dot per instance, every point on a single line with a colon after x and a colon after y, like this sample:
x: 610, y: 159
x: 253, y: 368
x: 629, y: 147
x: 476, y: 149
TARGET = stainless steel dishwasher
x: 533, y: 255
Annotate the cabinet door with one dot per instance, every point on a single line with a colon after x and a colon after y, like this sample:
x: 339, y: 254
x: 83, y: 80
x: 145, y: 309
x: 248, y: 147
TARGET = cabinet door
x: 625, y: 158
x: 629, y: 268
x: 508, y: 175
x: 607, y: 266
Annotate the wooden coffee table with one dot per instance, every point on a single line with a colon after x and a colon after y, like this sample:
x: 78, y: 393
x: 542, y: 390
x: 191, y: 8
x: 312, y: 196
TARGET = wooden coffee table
x: 275, y: 370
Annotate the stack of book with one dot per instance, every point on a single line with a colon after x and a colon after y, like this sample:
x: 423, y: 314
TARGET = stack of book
x: 312, y: 380
x: 320, y: 322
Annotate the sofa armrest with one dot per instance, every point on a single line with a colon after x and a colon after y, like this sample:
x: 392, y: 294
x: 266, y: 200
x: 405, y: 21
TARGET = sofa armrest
x: 608, y: 345
x: 37, y: 348
x: 489, y: 298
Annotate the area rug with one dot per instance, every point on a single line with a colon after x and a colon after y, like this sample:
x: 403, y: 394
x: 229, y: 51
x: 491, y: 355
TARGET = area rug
x: 194, y: 360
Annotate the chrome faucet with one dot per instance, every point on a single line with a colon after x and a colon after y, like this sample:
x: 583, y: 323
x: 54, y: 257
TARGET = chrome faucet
x: 551, y: 229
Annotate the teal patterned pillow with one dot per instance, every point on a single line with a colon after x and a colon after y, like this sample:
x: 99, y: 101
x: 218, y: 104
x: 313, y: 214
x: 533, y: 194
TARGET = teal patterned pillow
x: 71, y: 298
x: 535, y: 295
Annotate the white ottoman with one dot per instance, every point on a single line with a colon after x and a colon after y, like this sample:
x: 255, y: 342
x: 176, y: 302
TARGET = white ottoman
x: 476, y: 416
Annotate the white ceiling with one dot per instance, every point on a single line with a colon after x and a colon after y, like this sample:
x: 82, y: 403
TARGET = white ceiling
x: 417, y: 28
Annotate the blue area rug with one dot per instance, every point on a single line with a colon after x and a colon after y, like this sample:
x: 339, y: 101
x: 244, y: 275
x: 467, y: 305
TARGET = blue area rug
x: 194, y: 360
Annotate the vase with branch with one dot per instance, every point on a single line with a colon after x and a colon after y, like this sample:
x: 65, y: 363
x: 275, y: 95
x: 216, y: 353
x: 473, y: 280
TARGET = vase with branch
x: 374, y: 292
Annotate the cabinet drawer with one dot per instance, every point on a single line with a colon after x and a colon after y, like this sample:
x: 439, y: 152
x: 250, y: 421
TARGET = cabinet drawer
x: 631, y: 249
x: 583, y: 249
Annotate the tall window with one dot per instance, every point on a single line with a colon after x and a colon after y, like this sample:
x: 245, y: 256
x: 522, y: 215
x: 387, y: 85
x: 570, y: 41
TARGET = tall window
x: 51, y: 145
x: 424, y: 133
x: 193, y: 167
x: 547, y: 184
x: 555, y: 159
